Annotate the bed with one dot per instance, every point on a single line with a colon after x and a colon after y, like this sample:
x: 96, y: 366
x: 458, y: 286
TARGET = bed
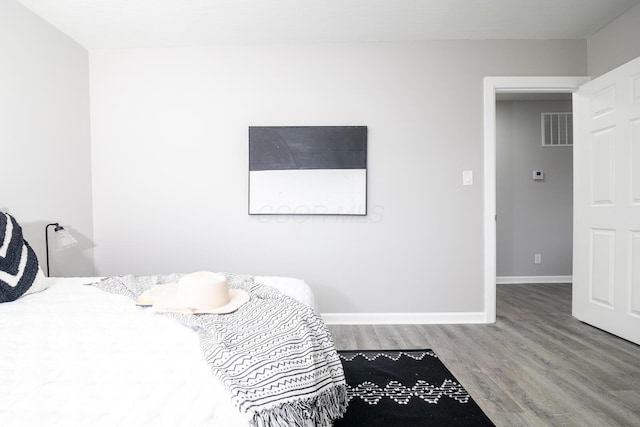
x: 76, y: 355
x: 82, y: 352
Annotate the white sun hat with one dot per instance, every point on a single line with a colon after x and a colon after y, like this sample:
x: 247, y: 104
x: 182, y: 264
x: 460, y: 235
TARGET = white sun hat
x: 199, y: 292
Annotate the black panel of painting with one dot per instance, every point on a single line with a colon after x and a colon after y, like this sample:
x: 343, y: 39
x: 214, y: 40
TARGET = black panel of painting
x: 307, y: 147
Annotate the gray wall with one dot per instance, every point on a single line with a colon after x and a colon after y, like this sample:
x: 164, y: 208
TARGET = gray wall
x: 44, y: 135
x: 615, y: 44
x: 533, y: 216
x: 170, y: 159
x: 170, y: 155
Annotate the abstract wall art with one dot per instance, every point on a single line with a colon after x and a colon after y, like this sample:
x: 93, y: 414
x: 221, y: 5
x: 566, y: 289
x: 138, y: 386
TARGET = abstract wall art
x: 308, y: 170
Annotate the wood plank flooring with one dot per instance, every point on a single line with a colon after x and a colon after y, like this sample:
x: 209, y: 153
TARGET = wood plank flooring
x: 536, y: 366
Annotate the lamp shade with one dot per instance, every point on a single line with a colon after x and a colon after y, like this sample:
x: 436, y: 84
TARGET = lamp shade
x: 64, y: 239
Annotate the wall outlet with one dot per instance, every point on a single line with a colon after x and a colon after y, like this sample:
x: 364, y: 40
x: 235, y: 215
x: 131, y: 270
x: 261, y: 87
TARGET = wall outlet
x: 537, y: 259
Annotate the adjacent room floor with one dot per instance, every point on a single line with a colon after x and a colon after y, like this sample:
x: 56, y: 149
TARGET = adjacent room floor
x: 536, y: 366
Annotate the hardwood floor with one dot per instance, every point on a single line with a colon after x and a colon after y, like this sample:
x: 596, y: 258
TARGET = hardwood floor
x: 536, y: 366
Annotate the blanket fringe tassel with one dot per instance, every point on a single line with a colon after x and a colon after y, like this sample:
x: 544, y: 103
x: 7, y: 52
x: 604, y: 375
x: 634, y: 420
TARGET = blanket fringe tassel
x: 321, y: 410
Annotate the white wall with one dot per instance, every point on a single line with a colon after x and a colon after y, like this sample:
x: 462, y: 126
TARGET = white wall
x: 615, y: 44
x: 533, y: 216
x: 44, y: 135
x: 169, y: 132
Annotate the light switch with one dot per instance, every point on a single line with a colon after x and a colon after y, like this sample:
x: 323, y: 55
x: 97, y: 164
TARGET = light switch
x: 467, y: 177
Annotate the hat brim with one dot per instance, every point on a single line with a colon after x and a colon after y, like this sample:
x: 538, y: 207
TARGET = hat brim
x: 167, y: 304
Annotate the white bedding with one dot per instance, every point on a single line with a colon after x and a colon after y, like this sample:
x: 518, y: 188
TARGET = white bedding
x: 74, y: 355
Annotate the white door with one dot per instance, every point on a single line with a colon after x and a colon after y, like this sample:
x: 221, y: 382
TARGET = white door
x: 606, y: 242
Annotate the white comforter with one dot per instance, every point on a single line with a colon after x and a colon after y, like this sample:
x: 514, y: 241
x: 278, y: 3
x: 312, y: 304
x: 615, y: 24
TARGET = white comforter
x: 74, y: 355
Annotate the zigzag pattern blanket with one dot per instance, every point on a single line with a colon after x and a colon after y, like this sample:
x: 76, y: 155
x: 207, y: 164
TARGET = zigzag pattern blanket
x: 274, y: 354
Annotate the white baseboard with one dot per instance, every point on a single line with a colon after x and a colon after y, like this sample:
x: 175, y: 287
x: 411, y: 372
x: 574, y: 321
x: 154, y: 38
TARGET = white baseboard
x: 403, y: 318
x: 514, y: 280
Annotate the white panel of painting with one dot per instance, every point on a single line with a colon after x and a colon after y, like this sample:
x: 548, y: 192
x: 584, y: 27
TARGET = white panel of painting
x: 602, y: 266
x: 603, y: 167
x: 341, y: 191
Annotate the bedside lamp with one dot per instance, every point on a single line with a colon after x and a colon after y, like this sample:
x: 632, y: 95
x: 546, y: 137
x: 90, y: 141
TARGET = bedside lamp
x: 64, y: 239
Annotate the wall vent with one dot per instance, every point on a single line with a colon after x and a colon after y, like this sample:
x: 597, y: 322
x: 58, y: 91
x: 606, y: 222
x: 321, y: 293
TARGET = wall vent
x: 557, y: 129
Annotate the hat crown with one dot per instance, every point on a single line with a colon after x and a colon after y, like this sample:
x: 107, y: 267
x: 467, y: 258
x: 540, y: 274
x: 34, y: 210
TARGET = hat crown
x: 203, y: 289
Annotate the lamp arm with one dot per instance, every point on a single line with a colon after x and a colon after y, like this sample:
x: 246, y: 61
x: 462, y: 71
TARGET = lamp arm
x: 46, y: 241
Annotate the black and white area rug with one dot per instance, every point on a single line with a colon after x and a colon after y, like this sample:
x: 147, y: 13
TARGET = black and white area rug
x: 405, y: 388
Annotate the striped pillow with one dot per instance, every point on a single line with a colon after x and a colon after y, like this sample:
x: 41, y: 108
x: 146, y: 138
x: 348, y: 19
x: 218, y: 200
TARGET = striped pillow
x: 19, y: 269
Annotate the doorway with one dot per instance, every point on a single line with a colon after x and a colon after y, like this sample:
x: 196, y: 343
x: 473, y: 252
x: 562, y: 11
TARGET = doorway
x: 534, y: 193
x: 492, y: 87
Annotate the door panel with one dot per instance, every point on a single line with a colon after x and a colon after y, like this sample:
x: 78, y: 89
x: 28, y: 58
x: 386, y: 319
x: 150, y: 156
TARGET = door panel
x: 603, y: 165
x: 635, y: 162
x: 606, y: 290
x: 635, y: 83
x: 602, y: 267
x: 634, y: 283
x: 604, y: 102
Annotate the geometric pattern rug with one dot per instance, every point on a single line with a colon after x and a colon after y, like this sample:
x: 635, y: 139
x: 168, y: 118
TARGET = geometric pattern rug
x: 404, y: 388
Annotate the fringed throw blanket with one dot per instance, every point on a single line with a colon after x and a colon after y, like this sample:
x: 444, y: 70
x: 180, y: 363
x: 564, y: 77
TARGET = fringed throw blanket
x: 274, y: 354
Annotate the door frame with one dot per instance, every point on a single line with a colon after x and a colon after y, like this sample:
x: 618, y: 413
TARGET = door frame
x: 506, y: 84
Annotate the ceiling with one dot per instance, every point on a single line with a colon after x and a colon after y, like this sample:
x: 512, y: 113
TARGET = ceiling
x: 97, y: 24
